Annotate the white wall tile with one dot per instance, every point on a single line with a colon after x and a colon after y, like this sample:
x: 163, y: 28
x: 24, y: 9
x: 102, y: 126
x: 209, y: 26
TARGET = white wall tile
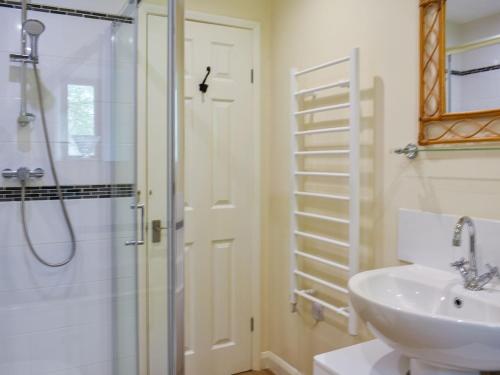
x: 10, y: 25
x: 15, y: 355
x: 71, y: 170
x: 74, y: 37
x: 94, y: 261
x: 69, y: 347
x: 426, y: 238
x: 89, y: 303
x: 111, y: 111
x: 92, y: 219
x: 68, y: 327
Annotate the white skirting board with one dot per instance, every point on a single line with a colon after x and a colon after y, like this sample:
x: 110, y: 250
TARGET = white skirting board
x: 277, y: 365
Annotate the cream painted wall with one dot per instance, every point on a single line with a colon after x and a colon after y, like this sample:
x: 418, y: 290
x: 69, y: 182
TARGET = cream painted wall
x: 306, y: 32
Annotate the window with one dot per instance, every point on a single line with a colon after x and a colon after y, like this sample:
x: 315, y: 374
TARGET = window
x: 82, y: 136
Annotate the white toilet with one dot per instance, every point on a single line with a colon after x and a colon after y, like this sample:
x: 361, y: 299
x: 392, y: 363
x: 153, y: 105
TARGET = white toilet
x: 369, y: 358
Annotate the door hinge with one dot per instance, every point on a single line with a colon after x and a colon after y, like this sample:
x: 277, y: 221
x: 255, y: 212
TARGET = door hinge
x: 251, y: 325
x: 251, y: 75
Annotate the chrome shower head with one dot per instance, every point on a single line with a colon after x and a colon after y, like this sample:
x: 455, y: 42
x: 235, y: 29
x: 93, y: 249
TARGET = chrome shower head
x: 34, y: 29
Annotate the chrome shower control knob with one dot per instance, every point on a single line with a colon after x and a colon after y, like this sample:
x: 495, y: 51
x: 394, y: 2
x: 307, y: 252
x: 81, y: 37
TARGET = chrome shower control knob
x: 459, y: 263
x: 37, y: 173
x: 9, y: 173
x: 493, y: 270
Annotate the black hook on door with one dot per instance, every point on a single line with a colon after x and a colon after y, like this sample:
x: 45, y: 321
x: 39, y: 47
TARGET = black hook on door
x: 203, y: 85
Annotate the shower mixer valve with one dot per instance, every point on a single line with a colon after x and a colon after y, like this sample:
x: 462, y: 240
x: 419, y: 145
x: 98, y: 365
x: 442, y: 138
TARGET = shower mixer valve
x: 23, y: 173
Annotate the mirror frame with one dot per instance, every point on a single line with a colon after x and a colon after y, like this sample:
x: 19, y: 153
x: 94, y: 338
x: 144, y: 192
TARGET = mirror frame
x: 436, y: 125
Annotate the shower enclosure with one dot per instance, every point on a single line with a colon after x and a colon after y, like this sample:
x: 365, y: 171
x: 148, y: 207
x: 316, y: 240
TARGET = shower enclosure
x: 71, y: 217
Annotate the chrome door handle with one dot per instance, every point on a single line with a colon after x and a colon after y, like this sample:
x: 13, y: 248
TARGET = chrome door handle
x: 141, y: 241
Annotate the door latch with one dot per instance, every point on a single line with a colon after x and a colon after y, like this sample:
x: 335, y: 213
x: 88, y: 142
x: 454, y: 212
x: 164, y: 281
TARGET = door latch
x: 157, y: 228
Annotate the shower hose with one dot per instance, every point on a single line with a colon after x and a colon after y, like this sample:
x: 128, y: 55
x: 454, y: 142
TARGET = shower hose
x: 58, y: 188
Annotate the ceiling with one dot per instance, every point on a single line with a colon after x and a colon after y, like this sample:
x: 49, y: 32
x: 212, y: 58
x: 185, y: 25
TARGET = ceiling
x: 463, y: 11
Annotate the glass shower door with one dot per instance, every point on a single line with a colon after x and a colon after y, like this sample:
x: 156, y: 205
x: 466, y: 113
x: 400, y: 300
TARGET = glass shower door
x: 80, y: 318
x: 128, y: 210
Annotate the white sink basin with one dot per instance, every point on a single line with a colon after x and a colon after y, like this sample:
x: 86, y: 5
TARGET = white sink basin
x: 415, y: 310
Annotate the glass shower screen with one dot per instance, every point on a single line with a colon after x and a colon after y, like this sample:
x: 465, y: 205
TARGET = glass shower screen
x: 78, y: 304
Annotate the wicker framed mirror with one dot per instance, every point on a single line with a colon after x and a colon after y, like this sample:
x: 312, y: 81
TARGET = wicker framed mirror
x: 459, y: 71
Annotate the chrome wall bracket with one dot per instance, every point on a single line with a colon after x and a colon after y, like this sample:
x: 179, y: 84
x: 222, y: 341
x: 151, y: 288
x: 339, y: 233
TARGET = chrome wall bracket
x: 22, y: 58
x: 410, y: 150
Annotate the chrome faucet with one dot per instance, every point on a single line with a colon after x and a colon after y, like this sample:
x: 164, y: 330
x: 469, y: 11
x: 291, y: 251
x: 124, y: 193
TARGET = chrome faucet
x: 468, y: 269
x: 457, y: 241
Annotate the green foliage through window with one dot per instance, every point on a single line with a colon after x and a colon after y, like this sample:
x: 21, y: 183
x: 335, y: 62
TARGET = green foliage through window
x: 81, y: 117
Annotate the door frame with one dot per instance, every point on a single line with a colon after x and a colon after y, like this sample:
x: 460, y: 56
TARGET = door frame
x: 144, y: 11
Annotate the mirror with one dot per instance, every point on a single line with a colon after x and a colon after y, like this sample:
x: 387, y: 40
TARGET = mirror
x: 472, y: 56
x: 459, y: 71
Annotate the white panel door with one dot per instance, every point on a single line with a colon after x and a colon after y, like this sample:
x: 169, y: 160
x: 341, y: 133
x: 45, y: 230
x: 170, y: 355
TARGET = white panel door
x: 221, y: 201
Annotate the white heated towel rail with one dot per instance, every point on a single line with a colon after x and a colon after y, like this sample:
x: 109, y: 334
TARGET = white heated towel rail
x: 353, y: 177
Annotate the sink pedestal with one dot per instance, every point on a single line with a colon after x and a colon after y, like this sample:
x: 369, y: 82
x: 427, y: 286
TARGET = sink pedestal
x: 421, y: 368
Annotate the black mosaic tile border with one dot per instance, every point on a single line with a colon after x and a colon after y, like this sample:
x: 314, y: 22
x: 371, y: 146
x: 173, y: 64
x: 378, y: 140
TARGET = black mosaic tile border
x: 68, y: 11
x: 474, y: 71
x: 44, y: 193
